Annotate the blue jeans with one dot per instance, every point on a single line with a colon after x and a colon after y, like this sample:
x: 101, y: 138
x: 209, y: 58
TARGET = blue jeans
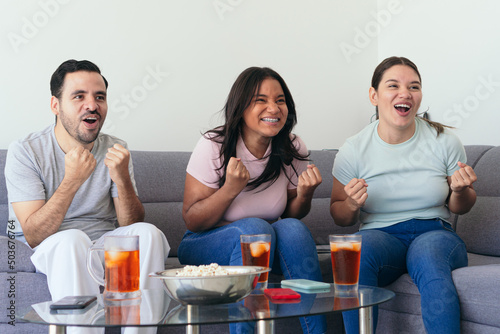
x: 428, y: 250
x: 293, y: 253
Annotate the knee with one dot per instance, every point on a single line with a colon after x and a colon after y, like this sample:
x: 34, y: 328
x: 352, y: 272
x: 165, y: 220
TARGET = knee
x: 70, y: 241
x: 291, y: 225
x: 145, y: 231
x: 148, y: 235
x: 253, y: 226
x: 292, y: 230
x: 378, y: 244
x: 438, y: 248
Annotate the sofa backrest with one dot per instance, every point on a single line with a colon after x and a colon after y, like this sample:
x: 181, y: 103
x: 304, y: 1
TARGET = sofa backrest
x: 480, y: 228
x: 4, y: 208
x: 160, y: 180
x: 319, y: 220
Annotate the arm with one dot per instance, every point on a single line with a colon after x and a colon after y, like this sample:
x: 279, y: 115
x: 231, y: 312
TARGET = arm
x: 299, y: 200
x: 463, y: 195
x: 128, y: 207
x: 40, y: 219
x: 346, y: 201
x: 204, y: 207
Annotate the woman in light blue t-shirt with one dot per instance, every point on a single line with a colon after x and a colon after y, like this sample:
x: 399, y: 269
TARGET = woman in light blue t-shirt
x: 401, y: 176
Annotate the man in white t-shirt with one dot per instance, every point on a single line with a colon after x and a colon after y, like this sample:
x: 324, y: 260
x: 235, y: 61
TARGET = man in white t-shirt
x: 69, y: 185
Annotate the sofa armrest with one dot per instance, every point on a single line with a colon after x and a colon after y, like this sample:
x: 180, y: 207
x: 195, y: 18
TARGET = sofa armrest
x: 15, y: 256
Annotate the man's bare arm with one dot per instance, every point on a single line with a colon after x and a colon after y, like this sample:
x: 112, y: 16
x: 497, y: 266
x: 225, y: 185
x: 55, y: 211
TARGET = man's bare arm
x: 40, y: 219
x: 129, y: 208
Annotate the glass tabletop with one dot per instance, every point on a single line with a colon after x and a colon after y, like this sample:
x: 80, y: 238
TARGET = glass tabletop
x: 156, y: 308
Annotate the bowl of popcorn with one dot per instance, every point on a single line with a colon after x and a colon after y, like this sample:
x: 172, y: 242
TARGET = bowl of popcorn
x: 210, y: 284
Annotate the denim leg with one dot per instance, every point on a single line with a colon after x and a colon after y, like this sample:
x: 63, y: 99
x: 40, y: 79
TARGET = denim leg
x: 431, y: 258
x: 382, y: 261
x: 222, y: 245
x: 296, y: 257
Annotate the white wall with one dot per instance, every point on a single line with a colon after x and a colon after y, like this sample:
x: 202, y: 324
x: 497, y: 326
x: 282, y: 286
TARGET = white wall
x: 456, y: 46
x: 171, y: 64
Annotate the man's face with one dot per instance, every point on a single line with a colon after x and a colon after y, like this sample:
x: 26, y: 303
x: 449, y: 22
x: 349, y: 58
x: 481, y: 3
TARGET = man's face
x: 82, y: 107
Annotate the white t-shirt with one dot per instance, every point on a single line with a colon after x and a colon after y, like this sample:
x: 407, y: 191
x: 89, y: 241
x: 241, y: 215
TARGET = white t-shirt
x: 266, y: 203
x: 405, y: 181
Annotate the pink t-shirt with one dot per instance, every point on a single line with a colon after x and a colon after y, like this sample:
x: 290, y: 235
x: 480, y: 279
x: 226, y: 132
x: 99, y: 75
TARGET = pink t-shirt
x: 268, y: 204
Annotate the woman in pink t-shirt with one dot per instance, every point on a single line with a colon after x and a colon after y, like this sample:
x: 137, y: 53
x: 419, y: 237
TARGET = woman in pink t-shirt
x: 251, y: 176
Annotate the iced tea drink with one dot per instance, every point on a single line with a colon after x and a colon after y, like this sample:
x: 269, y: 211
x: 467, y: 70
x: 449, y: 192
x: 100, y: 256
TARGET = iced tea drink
x: 255, y: 251
x: 345, y: 252
x: 121, y: 267
x: 122, y: 270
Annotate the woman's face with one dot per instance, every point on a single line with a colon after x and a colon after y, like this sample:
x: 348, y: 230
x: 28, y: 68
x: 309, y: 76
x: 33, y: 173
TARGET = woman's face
x: 398, y: 98
x: 266, y: 115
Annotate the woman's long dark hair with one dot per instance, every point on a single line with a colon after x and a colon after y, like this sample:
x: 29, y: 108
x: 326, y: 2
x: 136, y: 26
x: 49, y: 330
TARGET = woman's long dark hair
x: 239, y: 99
x: 387, y: 64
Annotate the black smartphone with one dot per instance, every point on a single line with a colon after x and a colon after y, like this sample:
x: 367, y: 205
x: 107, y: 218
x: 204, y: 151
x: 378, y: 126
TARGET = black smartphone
x: 72, y: 302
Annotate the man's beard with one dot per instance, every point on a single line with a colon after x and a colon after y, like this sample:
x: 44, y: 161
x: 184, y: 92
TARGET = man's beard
x: 73, y: 128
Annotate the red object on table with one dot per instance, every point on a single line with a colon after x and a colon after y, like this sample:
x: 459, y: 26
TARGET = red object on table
x: 282, y: 294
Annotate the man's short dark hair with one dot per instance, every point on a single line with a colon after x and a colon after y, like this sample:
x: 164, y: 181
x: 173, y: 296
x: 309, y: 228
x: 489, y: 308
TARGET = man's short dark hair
x: 70, y: 66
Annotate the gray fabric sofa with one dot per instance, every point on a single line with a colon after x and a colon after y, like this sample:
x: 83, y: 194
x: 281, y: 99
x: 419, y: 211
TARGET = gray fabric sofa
x: 160, y: 180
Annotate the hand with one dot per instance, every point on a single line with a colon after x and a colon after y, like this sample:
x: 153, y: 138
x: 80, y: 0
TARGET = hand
x: 356, y: 193
x: 462, y: 178
x: 237, y: 176
x: 309, y: 180
x: 79, y: 164
x: 117, y: 160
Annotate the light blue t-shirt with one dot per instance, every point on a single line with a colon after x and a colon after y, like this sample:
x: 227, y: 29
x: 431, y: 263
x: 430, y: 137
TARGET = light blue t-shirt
x: 34, y: 169
x: 405, y: 181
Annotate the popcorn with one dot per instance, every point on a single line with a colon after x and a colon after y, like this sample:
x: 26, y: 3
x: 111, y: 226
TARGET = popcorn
x: 212, y: 269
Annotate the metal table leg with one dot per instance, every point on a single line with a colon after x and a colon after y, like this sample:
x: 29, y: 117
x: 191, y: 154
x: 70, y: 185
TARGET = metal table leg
x: 366, y: 320
x: 263, y: 326
x: 192, y: 313
x: 55, y: 329
x: 192, y: 329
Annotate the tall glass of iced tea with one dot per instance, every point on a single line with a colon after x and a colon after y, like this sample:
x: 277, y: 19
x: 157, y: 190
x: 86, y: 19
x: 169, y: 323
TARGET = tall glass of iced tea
x: 255, y: 251
x: 121, y: 267
x: 345, y: 251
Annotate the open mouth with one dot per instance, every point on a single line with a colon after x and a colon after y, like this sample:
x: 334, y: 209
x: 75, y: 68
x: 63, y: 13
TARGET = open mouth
x: 90, y: 120
x: 402, y: 108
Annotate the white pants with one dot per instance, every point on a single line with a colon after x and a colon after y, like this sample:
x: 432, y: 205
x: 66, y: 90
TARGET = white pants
x: 62, y: 258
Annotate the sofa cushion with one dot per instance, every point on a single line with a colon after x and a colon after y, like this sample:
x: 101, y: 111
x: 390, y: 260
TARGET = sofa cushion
x: 476, y: 302
x: 407, y: 296
x: 160, y: 175
x: 487, y: 172
x: 479, y: 228
x: 475, y: 153
x: 30, y: 288
x: 324, y: 161
x: 168, y: 218
x: 4, y: 217
x: 321, y: 224
x: 479, y: 291
x: 481, y: 260
x: 21, y: 255
x: 4, y: 209
x: 393, y: 322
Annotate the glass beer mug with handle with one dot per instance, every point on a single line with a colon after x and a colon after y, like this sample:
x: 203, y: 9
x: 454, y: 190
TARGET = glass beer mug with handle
x: 121, y: 267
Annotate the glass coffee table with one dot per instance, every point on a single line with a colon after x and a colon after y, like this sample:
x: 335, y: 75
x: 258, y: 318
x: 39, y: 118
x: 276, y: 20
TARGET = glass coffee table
x: 156, y: 308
